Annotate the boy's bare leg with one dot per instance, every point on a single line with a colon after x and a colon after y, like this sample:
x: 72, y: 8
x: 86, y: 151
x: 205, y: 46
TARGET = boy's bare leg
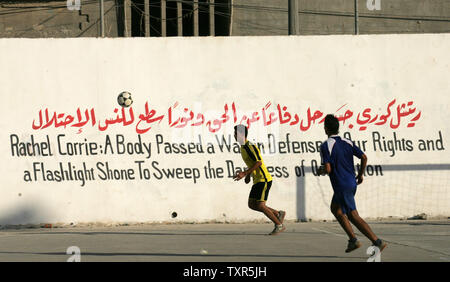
x: 261, y: 207
x: 343, y: 220
x: 362, y: 226
x: 275, y: 212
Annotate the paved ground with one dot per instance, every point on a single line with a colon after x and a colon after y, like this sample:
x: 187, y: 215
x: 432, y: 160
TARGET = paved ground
x: 312, y: 241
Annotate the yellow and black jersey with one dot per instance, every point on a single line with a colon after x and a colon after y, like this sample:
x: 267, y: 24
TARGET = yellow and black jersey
x: 251, y: 154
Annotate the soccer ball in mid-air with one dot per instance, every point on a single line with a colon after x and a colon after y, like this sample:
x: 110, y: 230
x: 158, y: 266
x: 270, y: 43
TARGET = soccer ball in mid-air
x: 124, y: 99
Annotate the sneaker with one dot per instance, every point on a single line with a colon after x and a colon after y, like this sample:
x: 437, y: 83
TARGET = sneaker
x: 281, y: 215
x: 278, y: 229
x: 380, y: 244
x: 352, y: 246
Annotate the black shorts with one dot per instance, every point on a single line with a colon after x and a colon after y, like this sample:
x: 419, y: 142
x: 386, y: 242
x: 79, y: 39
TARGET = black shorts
x: 260, y: 191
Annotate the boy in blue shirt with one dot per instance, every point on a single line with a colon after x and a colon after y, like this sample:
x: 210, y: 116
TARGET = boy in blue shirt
x: 337, y: 161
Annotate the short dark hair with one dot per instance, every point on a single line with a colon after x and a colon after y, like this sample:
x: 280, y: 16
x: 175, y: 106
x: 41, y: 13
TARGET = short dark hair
x: 332, y: 124
x: 241, y: 128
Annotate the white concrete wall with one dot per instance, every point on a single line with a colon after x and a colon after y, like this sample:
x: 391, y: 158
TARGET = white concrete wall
x: 317, y: 73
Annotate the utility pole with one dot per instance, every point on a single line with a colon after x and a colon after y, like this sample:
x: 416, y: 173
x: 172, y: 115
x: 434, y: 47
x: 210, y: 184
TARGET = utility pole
x: 163, y: 18
x: 147, y: 17
x: 356, y: 17
x: 294, y: 27
x: 102, y: 18
x: 127, y: 17
x: 211, y: 18
x: 179, y: 19
x: 195, y: 11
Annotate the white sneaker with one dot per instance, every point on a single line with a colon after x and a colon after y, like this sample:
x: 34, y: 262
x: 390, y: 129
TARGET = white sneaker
x: 278, y: 229
x: 281, y: 215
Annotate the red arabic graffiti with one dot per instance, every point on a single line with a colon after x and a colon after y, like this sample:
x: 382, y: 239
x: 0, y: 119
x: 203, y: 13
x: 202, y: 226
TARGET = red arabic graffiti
x: 392, y: 116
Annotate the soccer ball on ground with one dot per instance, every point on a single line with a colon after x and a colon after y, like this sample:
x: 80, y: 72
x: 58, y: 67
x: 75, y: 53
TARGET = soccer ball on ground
x: 124, y: 99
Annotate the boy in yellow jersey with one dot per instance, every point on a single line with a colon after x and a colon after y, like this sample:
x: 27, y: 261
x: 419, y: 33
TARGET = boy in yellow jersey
x: 262, y: 180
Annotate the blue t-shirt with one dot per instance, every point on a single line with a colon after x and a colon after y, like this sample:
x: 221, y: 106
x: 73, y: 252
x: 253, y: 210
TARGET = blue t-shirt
x: 339, y: 153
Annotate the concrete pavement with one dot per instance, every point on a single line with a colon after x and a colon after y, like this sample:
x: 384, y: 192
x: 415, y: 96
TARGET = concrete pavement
x: 418, y: 240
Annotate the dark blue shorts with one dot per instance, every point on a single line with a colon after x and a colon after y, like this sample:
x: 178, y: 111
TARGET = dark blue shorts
x: 345, y: 199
